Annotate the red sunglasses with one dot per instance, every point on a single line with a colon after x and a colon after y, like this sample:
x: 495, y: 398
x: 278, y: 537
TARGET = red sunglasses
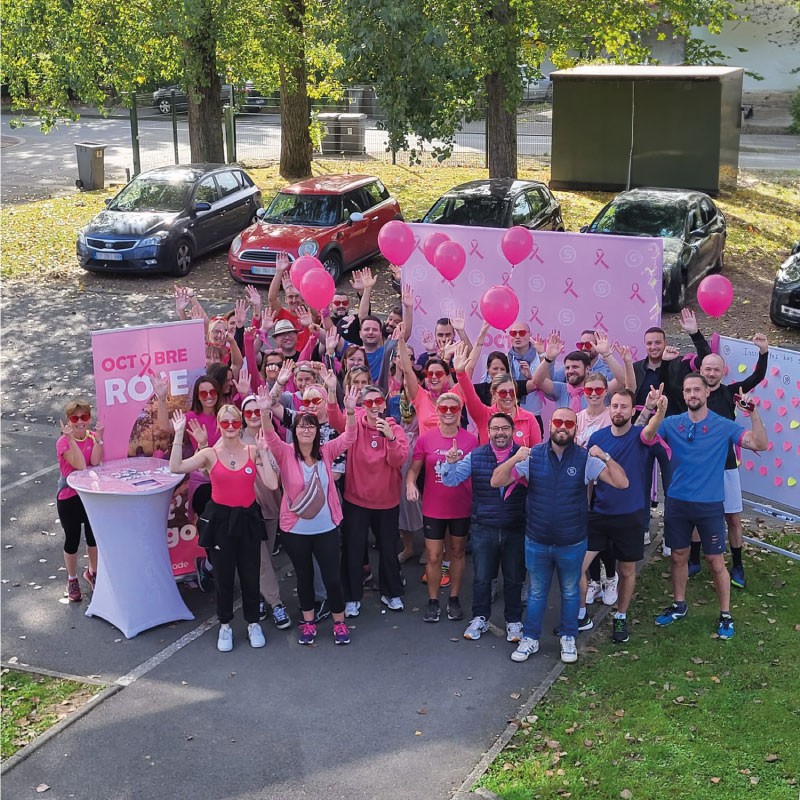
x: 79, y: 418
x: 312, y: 401
x: 598, y: 390
x: 569, y: 424
x: 436, y: 373
x: 517, y: 332
x: 448, y: 409
x: 204, y: 393
x: 340, y: 303
x: 232, y: 423
x: 378, y: 402
x: 506, y: 393
x: 584, y: 345
x: 252, y: 412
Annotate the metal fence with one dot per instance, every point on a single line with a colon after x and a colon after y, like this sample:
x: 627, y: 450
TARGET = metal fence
x: 349, y: 128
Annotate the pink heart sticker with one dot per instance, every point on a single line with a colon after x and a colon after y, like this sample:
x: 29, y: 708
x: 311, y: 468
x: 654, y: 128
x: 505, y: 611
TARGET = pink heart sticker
x: 778, y: 481
x: 748, y: 465
x: 770, y: 445
x: 778, y: 462
x: 763, y: 470
x: 767, y: 404
x: 787, y: 446
x: 782, y: 411
x: 775, y: 371
x: 779, y: 393
x: 798, y: 384
x: 764, y: 383
x: 778, y: 427
x: 796, y: 401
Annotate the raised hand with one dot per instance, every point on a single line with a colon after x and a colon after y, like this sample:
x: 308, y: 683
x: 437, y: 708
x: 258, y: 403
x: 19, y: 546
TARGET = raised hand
x: 240, y: 312
x: 328, y: 377
x: 267, y: 320
x: 428, y: 341
x: 603, y: 346
x: 554, y: 345
x: 67, y: 430
x: 98, y: 430
x: 461, y: 357
x: 159, y: 385
x: 197, y: 310
x: 653, y: 396
x: 539, y: 344
x: 281, y: 265
x: 459, y: 321
x: 286, y: 372
x: 452, y: 454
x: 263, y: 400
x: 242, y: 383
x: 670, y: 353
x: 351, y: 398
x: 199, y: 433
x: 761, y: 342
x: 304, y: 316
x: 368, y: 279
x: 397, y: 333
x: 688, y: 321
x: 331, y: 340
x: 253, y: 297
x: 356, y: 281
x: 397, y: 272
x: 625, y: 352
x: 407, y: 295
x: 182, y: 299
x: 178, y: 423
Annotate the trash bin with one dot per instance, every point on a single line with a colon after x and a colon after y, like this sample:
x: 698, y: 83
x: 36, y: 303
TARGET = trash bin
x: 330, y: 135
x: 351, y: 133
x: 91, y: 165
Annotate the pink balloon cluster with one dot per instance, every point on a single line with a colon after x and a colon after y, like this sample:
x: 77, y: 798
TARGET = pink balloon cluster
x: 313, y: 281
x: 715, y: 295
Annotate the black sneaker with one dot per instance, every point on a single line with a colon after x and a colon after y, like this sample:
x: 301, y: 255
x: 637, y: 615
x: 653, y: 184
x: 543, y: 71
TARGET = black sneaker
x: 620, y: 633
x: 454, y: 609
x: 585, y: 624
x: 321, y: 611
x: 205, y: 579
x: 367, y: 577
x: 262, y: 608
x: 432, y: 612
x: 277, y: 547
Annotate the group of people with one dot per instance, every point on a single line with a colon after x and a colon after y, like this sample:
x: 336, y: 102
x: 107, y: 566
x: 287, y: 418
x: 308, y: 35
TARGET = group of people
x: 313, y: 428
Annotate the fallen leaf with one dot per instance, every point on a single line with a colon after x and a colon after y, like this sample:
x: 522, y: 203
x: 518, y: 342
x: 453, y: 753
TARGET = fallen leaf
x: 771, y: 758
x: 508, y: 765
x: 626, y: 794
x: 620, y: 712
x: 515, y: 695
x: 42, y: 787
x: 754, y: 779
x: 417, y: 733
x: 715, y: 780
x: 697, y: 660
x: 588, y: 743
x: 714, y: 679
x: 422, y: 711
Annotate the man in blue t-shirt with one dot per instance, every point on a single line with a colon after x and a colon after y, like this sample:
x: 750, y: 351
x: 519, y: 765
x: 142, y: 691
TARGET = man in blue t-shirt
x: 615, y: 517
x: 699, y: 439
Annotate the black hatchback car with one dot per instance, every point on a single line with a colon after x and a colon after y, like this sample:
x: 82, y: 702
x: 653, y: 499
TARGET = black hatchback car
x: 166, y: 217
x: 692, y: 227
x: 498, y: 203
x: 784, y: 308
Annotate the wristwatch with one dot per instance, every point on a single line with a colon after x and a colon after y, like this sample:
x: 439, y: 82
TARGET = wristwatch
x: 606, y: 457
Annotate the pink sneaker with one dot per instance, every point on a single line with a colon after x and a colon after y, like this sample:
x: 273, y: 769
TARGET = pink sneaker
x: 90, y: 577
x: 341, y: 633
x: 74, y: 590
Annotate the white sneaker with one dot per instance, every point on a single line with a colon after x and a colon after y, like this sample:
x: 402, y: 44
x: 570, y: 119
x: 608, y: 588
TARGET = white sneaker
x: 610, y: 592
x: 666, y: 551
x: 526, y: 647
x: 593, y: 591
x: 225, y: 639
x: 476, y: 627
x: 569, y: 653
x: 393, y: 603
x: 647, y: 536
x: 352, y: 609
x: 513, y: 631
x: 255, y: 635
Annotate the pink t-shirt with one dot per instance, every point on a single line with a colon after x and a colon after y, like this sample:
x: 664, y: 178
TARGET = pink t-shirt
x: 425, y: 406
x: 62, y: 447
x: 588, y: 425
x: 440, y: 501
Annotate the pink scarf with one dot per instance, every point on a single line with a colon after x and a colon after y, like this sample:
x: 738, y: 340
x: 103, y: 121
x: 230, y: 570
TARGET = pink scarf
x: 575, y: 397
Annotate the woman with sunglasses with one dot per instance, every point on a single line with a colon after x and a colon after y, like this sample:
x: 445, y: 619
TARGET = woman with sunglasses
x: 445, y: 510
x: 230, y: 526
x: 269, y: 501
x: 437, y: 382
x: 310, y: 509
x: 77, y: 448
x: 504, y: 399
x: 372, y: 499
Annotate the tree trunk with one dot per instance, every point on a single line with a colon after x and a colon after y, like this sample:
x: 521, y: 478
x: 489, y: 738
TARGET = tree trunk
x: 203, y: 88
x: 296, y: 146
x: 502, y: 130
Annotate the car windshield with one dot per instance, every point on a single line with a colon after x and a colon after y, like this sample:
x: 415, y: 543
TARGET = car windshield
x: 641, y: 219
x: 486, y: 212
x: 162, y: 193
x: 304, y: 209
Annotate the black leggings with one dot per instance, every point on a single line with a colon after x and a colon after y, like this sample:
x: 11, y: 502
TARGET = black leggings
x: 325, y: 547
x: 72, y: 515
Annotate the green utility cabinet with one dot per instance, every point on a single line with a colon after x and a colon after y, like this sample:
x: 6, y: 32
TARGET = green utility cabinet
x: 618, y: 127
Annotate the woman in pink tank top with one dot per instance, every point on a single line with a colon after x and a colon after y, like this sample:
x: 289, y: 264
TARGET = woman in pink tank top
x: 230, y: 525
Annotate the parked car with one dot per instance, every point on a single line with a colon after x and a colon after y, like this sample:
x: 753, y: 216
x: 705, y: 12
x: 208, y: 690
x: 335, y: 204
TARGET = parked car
x: 498, y: 203
x: 166, y: 217
x: 334, y: 217
x: 784, y: 308
x: 692, y: 227
x: 162, y: 98
x: 536, y: 90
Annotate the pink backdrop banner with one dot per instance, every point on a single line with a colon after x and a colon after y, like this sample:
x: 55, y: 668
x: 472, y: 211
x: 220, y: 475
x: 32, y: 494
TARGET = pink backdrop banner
x: 569, y: 282
x: 123, y: 359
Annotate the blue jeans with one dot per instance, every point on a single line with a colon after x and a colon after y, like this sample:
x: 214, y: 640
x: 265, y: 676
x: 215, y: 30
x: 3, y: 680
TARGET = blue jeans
x: 542, y: 560
x: 493, y: 548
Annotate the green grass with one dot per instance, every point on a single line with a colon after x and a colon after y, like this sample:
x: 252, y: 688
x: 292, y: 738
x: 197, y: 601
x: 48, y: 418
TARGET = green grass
x: 33, y: 703
x: 762, y: 215
x: 675, y: 712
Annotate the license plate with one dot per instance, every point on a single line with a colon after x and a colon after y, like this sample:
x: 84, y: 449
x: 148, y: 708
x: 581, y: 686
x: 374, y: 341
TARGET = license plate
x: 262, y: 270
x: 106, y: 255
x: 790, y: 312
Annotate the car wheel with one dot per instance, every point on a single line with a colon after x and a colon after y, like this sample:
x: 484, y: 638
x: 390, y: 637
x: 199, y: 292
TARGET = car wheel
x: 184, y: 254
x: 333, y: 264
x: 165, y: 106
x: 677, y: 294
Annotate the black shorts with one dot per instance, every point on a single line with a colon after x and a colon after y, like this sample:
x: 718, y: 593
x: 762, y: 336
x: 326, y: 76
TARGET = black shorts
x: 619, y: 533
x: 436, y: 528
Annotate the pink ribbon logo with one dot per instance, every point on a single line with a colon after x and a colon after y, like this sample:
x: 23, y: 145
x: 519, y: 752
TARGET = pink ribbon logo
x: 418, y: 305
x: 475, y: 310
x: 474, y: 251
x: 534, y: 256
x: 600, y: 260
x: 635, y: 293
x: 598, y: 322
x: 506, y: 278
x: 569, y: 283
x: 416, y: 245
x: 534, y: 317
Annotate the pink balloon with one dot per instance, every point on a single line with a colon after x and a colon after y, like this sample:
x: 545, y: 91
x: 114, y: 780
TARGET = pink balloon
x: 516, y: 244
x: 449, y: 259
x: 396, y: 242
x: 303, y: 265
x: 430, y: 243
x: 715, y: 295
x: 317, y: 288
x: 499, y: 306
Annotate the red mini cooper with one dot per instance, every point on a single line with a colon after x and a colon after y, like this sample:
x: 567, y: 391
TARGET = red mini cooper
x: 334, y: 217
